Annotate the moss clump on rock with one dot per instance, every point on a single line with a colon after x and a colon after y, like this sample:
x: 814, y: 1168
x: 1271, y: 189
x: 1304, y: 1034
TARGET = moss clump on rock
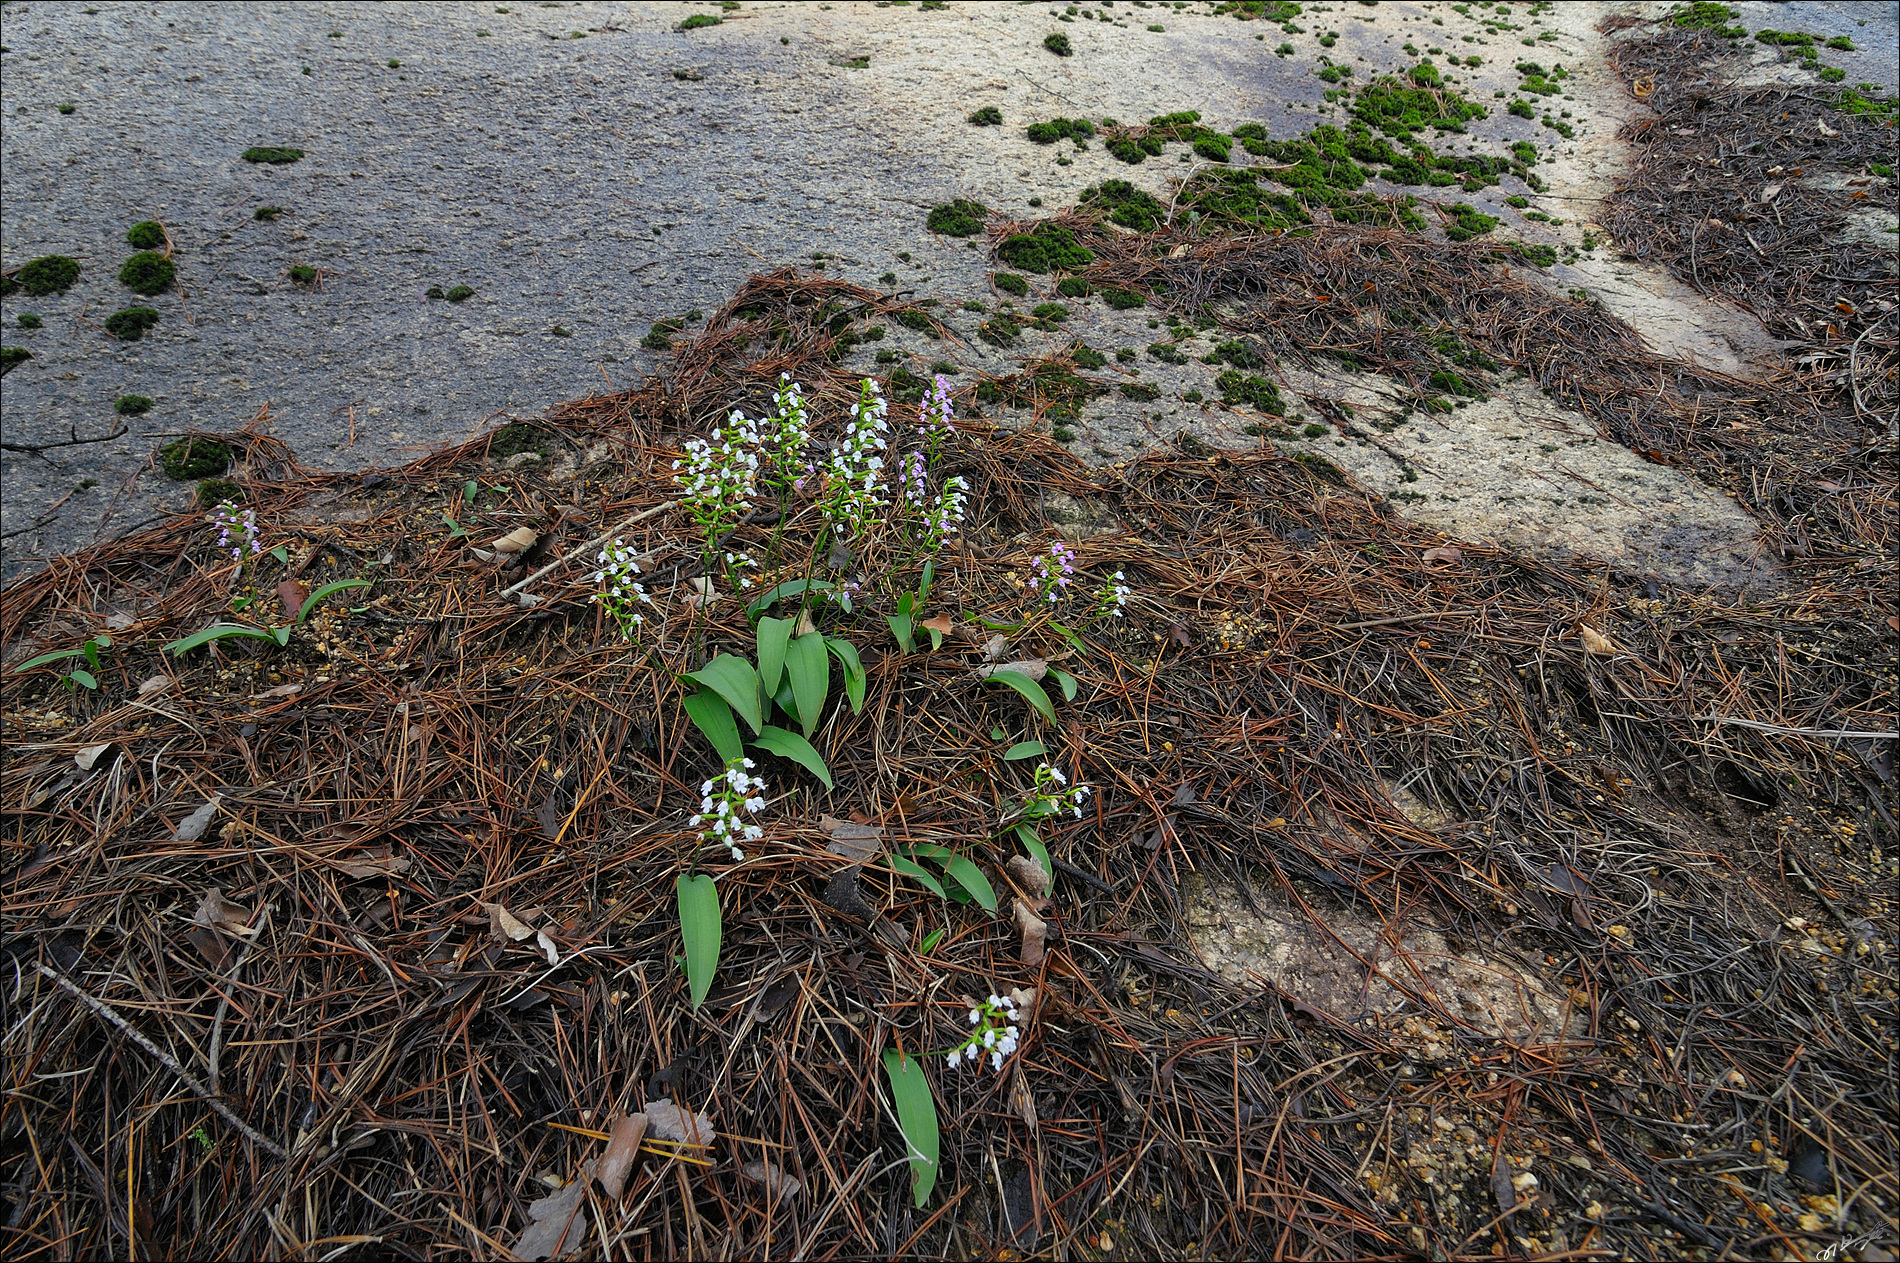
x: 132, y: 405
x: 267, y: 213
x: 217, y: 491
x: 697, y: 21
x: 1468, y: 223
x: 148, y: 272
x: 302, y: 274
x: 988, y: 116
x: 1256, y: 392
x: 29, y: 320
x: 48, y: 274
x: 960, y: 218
x: 192, y: 457
x: 1048, y: 133
x: 146, y: 235
x: 459, y: 294
x: 12, y: 357
x: 273, y: 155
x: 130, y: 324
x: 1126, y: 205
x: 515, y: 438
x: 1010, y: 283
x: 1058, y: 43
x: 1400, y: 105
x: 1123, y: 299
x: 1049, y: 247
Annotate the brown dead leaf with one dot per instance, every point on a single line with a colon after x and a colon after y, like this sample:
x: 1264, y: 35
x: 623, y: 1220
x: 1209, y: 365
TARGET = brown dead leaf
x: 1596, y: 642
x: 282, y: 690
x: 1029, y: 874
x: 1444, y: 552
x: 854, y: 841
x: 670, y: 1122
x: 805, y: 626
x: 1178, y: 252
x: 1035, y: 932
x: 623, y: 1146
x: 993, y: 648
x: 1642, y: 86
x: 1034, y: 668
x: 778, y: 1185
x: 376, y: 862
x: 291, y: 594
x: 1181, y: 634
x: 547, y: 945
x: 1025, y: 999
x: 557, y: 1225
x: 503, y: 924
x: 519, y: 540
x: 153, y: 684
x: 942, y: 624
x: 86, y: 758
x: 193, y: 827
x: 219, y: 913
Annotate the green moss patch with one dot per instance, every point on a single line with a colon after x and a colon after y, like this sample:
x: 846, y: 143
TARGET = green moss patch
x: 132, y: 405
x: 515, y: 438
x: 1010, y: 283
x: 274, y: 155
x: 217, y: 491
x: 1048, y: 133
x: 148, y: 272
x: 1074, y: 287
x: 147, y: 235
x: 460, y: 294
x: 1255, y: 392
x: 267, y: 213
x: 988, y: 116
x: 130, y: 324
x: 193, y: 457
x: 1141, y: 392
x: 1400, y: 105
x: 12, y: 357
x: 960, y: 218
x: 28, y: 320
x: 1705, y: 15
x: 699, y: 21
x: 1086, y: 356
x: 1123, y: 299
x: 1049, y: 247
x: 1467, y: 223
x: 1236, y: 196
x: 1126, y: 205
x: 48, y: 274
x: 302, y: 274
x: 1058, y: 44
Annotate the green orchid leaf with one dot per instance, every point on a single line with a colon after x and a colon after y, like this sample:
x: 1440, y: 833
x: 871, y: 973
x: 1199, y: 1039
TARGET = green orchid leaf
x: 917, y: 1116
x: 1031, y: 691
x: 847, y: 655
x: 774, y: 635
x: 328, y: 589
x: 910, y: 868
x: 709, y: 711
x: 733, y: 679
x: 797, y: 587
x: 1025, y: 750
x: 796, y: 748
x: 700, y: 928
x: 971, y: 878
x: 1067, y: 682
x: 810, y: 670
x: 218, y: 631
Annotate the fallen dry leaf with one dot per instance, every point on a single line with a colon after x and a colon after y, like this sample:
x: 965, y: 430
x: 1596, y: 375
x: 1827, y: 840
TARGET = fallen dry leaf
x: 503, y: 924
x: 193, y: 827
x: 852, y: 840
x: 941, y: 624
x: 547, y: 945
x: 380, y: 862
x: 519, y: 540
x: 557, y: 1225
x: 1035, y: 932
x: 1181, y: 634
x: 1821, y: 126
x: 282, y: 690
x: 623, y: 1146
x: 805, y: 626
x: 1642, y: 86
x: 85, y: 758
x: 993, y: 647
x: 1444, y: 552
x: 778, y: 1185
x: 291, y: 594
x: 1029, y: 873
x: 1034, y: 668
x: 670, y: 1122
x: 1025, y: 999
x: 153, y: 683
x: 219, y: 913
x: 1596, y: 642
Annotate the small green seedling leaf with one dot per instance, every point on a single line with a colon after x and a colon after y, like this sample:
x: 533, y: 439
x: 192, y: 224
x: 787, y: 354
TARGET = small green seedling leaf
x: 917, y: 1116
x: 699, y: 927
x: 219, y: 631
x: 455, y: 527
x: 847, y: 655
x: 996, y: 734
x: 733, y: 679
x: 709, y: 711
x: 930, y: 942
x: 283, y: 554
x: 1031, y: 691
x: 1025, y: 750
x: 1067, y: 682
x: 328, y: 589
x: 92, y: 647
x: 795, y: 748
x: 774, y: 635
x: 971, y: 878
x: 923, y: 587
x: 911, y: 868
x: 902, y: 631
x: 84, y: 677
x: 43, y: 659
x: 468, y: 491
x: 993, y: 625
x: 810, y: 671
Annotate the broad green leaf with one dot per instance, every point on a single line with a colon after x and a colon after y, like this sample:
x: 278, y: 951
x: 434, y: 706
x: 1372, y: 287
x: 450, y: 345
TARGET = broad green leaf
x: 1025, y: 750
x: 774, y: 635
x: 699, y: 927
x: 714, y: 717
x: 797, y: 587
x: 971, y: 878
x: 328, y: 589
x: 1067, y: 682
x: 1074, y: 640
x: 281, y: 635
x: 993, y: 625
x: 806, y: 663
x: 45, y: 658
x: 930, y: 851
x: 1034, y: 846
x: 282, y: 554
x: 733, y: 679
x: 784, y: 699
x: 847, y: 655
x: 930, y: 940
x: 795, y: 748
x: 468, y: 491
x: 923, y: 588
x: 917, y: 1116
x: 455, y: 527
x: 901, y: 629
x: 85, y: 677
x: 217, y: 631
x: 1030, y: 690
x: 910, y: 868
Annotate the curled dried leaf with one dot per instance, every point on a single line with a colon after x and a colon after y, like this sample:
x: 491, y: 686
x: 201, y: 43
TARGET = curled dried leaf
x: 1035, y: 932
x: 282, y: 690
x: 193, y: 827
x: 557, y: 1225
x: 504, y: 924
x: 1034, y: 668
x: 942, y: 624
x: 153, y: 684
x: 778, y: 1185
x: 669, y: 1122
x: 519, y: 540
x: 1029, y: 874
x: 1444, y: 552
x: 377, y: 862
x: 219, y: 913
x: 86, y: 758
x: 623, y: 1146
x: 1596, y: 642
x: 852, y: 840
x: 291, y: 594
